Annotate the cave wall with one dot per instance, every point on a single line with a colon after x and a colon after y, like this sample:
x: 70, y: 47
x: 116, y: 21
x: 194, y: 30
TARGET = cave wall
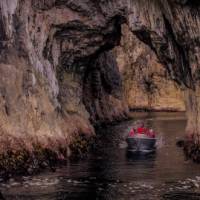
x: 171, y: 29
x: 103, y: 92
x: 46, y: 51
x: 146, y: 82
x: 47, y: 47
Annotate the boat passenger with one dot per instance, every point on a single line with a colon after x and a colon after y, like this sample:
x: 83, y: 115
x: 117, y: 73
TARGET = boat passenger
x: 148, y: 132
x: 151, y: 133
x: 132, y: 132
x: 141, y: 129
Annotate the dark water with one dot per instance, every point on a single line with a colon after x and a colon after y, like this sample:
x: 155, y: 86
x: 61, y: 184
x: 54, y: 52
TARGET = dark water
x: 110, y: 173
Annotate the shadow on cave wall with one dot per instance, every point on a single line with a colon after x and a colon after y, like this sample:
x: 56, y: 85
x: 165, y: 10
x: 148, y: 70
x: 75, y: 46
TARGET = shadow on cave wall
x: 103, y: 94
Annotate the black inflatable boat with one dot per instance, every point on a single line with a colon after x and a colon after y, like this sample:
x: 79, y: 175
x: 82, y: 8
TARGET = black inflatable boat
x: 141, y: 144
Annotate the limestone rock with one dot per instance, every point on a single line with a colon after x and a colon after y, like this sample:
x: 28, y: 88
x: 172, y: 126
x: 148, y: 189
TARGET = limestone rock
x: 146, y: 82
x: 46, y: 49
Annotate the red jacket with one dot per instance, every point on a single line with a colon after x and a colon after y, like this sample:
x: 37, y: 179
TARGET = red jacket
x: 141, y: 130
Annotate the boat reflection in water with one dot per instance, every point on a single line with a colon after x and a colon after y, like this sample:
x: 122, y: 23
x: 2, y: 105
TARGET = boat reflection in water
x: 135, y: 156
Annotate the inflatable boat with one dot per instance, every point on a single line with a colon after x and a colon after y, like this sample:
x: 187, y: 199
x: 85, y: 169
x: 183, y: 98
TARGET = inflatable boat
x: 140, y: 143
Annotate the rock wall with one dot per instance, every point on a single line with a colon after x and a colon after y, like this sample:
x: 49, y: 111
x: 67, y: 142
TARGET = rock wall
x: 171, y: 29
x: 146, y: 82
x: 103, y: 92
x: 48, y: 47
x: 51, y: 52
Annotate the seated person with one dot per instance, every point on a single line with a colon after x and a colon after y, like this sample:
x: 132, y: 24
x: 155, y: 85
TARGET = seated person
x: 141, y: 129
x: 151, y: 133
x: 132, y: 132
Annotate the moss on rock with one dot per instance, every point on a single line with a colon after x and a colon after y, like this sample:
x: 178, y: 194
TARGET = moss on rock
x: 81, y: 145
x: 27, y: 162
x: 192, y: 150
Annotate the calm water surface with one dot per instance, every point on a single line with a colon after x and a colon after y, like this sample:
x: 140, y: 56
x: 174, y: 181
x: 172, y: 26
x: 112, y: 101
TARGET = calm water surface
x: 110, y: 173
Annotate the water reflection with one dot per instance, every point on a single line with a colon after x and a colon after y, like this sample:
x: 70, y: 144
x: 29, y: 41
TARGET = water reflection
x: 111, y: 173
x: 137, y: 157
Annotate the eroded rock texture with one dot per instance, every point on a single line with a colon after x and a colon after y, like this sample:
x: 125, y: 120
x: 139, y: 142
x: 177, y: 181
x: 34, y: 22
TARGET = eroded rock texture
x: 46, y: 51
x: 103, y: 92
x: 48, y: 47
x: 171, y: 29
x: 146, y: 82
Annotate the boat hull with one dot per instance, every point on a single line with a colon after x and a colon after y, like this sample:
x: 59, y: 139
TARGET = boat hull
x: 141, y: 145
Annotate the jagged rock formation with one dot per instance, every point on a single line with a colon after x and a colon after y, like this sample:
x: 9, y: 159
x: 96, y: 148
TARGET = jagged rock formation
x: 103, y: 94
x: 47, y: 47
x: 172, y: 32
x: 146, y: 82
x: 171, y: 29
x: 46, y: 51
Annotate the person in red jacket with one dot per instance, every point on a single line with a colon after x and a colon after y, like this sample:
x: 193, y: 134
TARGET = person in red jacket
x: 141, y: 129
